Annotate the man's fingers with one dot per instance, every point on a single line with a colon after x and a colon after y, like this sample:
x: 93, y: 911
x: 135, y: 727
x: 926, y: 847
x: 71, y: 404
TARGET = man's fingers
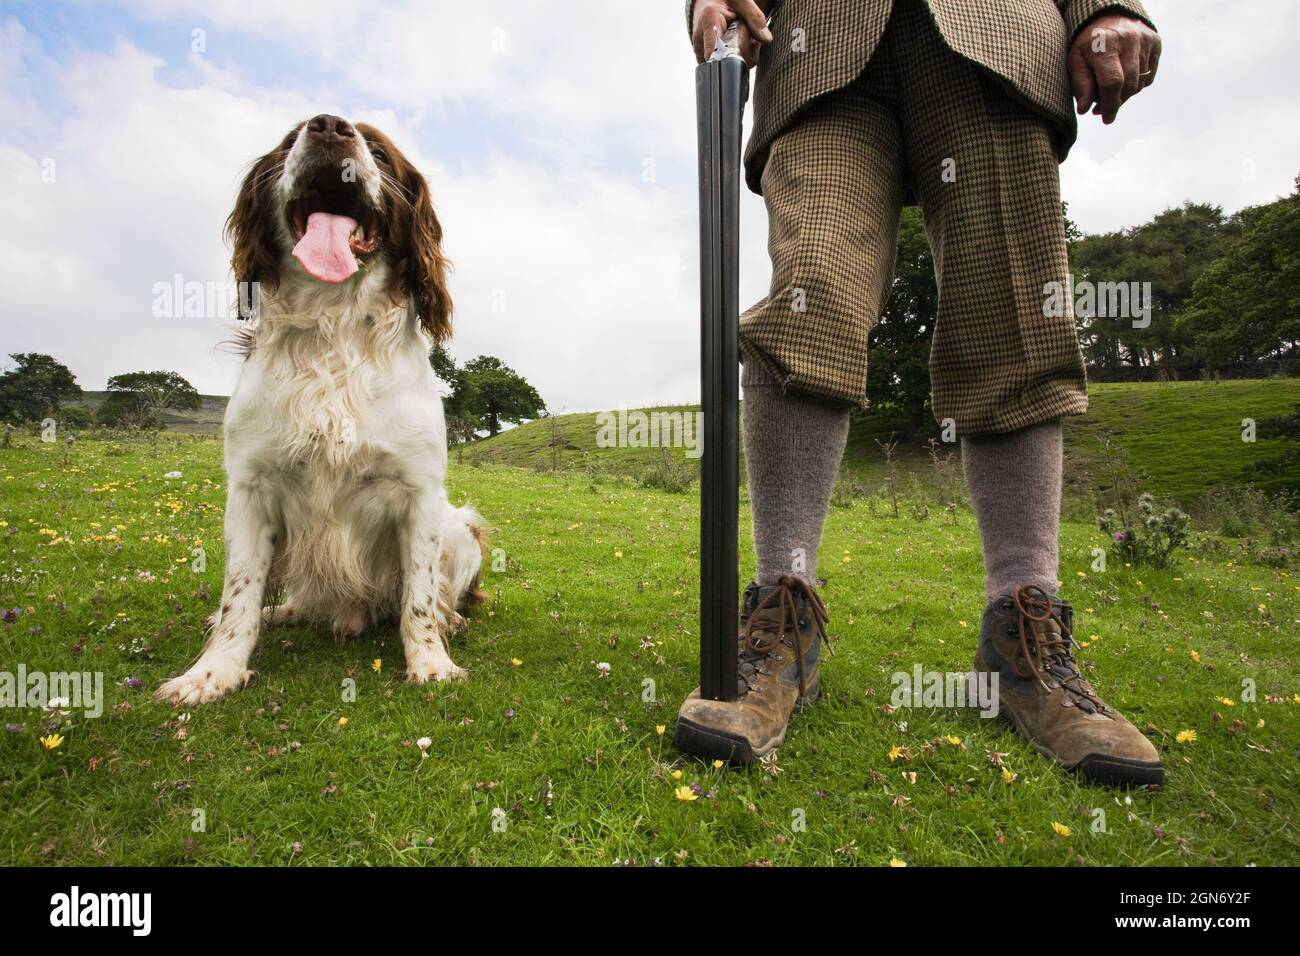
x: 712, y: 22
x: 1131, y: 59
x: 753, y: 17
x: 1110, y: 86
x: 1081, y: 80
x: 1117, y: 60
x: 711, y: 25
x: 749, y: 45
x: 1145, y: 77
x: 1153, y: 62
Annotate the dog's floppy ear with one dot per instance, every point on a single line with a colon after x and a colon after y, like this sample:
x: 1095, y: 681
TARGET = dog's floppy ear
x: 423, y: 267
x: 251, y: 228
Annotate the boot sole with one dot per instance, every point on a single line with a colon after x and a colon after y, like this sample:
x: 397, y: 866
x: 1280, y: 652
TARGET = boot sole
x: 1100, y: 768
x: 692, y: 738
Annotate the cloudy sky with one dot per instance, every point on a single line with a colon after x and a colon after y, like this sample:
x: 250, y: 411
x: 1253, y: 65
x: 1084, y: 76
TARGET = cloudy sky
x: 559, y: 143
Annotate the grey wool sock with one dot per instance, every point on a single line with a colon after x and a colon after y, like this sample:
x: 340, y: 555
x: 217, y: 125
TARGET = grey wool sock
x: 1014, y: 481
x: 793, y: 446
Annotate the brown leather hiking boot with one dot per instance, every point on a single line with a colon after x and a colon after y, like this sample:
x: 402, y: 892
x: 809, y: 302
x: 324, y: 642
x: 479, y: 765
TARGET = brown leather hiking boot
x: 780, y: 656
x: 1025, y: 639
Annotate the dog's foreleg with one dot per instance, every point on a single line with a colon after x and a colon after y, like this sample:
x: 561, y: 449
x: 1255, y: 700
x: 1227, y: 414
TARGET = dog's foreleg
x: 223, y: 664
x: 426, y: 618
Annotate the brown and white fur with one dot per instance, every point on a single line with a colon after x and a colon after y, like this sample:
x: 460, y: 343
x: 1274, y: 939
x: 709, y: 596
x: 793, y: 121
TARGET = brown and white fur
x: 335, y: 445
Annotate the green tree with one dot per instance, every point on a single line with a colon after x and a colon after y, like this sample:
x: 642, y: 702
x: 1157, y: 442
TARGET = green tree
x: 462, y: 423
x: 35, y: 387
x: 485, y: 392
x: 76, y: 416
x: 1245, y: 306
x: 500, y: 394
x: 898, y: 358
x: 1170, y: 252
x: 138, y: 399
x: 444, y: 366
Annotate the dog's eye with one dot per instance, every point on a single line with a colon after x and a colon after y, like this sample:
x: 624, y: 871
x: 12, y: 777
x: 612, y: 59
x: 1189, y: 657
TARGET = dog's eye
x: 378, y: 153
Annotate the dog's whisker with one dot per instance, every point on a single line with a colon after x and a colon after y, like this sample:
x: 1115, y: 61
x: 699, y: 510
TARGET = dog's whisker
x: 268, y: 173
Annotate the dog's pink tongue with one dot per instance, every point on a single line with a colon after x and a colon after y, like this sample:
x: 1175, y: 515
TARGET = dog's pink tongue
x: 324, y: 250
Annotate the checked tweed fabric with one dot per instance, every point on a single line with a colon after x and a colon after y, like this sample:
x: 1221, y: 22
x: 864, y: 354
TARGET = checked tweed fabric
x: 819, y: 46
x: 922, y: 121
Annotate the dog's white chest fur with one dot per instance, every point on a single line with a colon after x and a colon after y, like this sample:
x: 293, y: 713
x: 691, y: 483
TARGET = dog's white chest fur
x: 337, y: 424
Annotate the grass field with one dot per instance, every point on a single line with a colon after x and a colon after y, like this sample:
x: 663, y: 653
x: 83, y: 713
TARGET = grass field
x: 1187, y: 436
x: 539, y: 759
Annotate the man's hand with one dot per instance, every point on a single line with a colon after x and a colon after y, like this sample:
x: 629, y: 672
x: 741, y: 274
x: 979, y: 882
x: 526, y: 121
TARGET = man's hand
x: 712, y: 17
x: 1113, y: 57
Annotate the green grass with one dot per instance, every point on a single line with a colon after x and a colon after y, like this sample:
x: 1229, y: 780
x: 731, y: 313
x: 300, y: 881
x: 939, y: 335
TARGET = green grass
x: 570, y: 442
x: 605, y: 572
x: 1187, y: 436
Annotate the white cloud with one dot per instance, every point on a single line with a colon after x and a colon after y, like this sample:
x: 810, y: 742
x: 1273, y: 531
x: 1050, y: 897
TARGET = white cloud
x: 589, y: 264
x: 144, y: 175
x: 598, y: 269
x: 577, y: 68
x: 1220, y: 124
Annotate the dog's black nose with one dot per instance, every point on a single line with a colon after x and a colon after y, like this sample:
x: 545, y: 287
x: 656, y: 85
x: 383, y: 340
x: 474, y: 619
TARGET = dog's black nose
x: 330, y: 128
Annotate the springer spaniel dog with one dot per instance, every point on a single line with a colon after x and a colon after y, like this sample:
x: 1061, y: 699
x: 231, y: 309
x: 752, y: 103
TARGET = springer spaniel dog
x: 335, y: 445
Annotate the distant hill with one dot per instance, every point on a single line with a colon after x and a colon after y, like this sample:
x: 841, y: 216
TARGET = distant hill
x: 1185, y: 435
x: 202, y: 421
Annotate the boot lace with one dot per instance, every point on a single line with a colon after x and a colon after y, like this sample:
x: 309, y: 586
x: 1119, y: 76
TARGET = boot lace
x: 761, y: 639
x: 1048, y: 655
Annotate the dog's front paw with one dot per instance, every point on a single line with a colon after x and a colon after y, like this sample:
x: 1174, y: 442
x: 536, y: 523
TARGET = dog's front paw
x: 433, y: 667
x: 348, y: 624
x: 202, y: 684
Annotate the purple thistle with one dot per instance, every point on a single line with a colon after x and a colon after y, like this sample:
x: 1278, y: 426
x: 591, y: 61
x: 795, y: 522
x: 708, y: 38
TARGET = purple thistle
x: 11, y: 614
x: 15, y: 728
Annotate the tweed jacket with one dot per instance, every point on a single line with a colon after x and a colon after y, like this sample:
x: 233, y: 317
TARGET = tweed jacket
x: 820, y: 46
